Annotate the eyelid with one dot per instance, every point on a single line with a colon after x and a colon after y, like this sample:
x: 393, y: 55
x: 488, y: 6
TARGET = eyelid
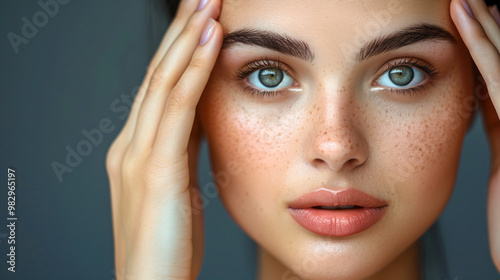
x: 429, y: 70
x: 423, y: 65
x: 262, y: 63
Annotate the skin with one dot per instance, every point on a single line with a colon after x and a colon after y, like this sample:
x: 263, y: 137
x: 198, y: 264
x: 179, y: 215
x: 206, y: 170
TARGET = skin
x: 334, y: 127
x: 337, y: 131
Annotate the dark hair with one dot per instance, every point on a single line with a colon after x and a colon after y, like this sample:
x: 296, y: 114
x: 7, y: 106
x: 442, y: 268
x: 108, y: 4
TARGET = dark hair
x: 172, y: 6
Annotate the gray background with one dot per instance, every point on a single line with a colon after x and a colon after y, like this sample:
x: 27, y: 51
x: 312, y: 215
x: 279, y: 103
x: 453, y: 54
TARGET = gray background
x: 64, y: 80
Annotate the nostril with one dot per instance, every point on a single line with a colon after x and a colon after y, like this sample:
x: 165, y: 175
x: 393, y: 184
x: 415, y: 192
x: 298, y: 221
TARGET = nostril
x: 352, y: 161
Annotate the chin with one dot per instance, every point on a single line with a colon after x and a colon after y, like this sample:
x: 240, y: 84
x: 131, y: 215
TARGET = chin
x: 334, y: 267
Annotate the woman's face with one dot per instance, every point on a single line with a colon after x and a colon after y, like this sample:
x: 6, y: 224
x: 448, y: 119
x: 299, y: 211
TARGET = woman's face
x: 366, y: 95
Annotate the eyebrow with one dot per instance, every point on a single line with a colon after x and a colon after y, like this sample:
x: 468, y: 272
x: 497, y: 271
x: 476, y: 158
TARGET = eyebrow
x: 269, y: 40
x: 407, y: 36
x: 298, y: 48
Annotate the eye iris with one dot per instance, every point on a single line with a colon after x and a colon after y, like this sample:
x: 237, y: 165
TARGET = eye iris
x: 401, y: 75
x: 271, y: 77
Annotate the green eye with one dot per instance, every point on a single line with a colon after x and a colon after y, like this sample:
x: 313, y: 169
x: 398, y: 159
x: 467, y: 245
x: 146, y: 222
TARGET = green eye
x: 271, y: 77
x: 401, y: 77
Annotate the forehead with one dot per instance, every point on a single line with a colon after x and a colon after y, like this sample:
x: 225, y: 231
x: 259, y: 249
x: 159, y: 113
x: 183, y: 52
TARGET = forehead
x: 341, y: 18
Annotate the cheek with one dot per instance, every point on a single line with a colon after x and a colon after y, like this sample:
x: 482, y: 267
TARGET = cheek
x: 258, y: 140
x: 420, y: 151
x: 239, y: 128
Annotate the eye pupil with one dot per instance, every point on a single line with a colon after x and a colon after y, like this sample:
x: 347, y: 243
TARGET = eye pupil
x: 401, y: 75
x: 271, y: 77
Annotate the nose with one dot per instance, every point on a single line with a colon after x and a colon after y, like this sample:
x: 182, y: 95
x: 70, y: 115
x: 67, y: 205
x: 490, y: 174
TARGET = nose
x: 336, y: 137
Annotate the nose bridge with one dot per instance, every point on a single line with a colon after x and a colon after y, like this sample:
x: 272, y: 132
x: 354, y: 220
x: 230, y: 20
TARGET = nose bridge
x: 336, y: 138
x: 334, y: 112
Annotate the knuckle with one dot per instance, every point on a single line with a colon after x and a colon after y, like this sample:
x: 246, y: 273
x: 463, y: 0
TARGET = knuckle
x: 191, y: 29
x: 480, y: 38
x: 197, y: 63
x: 130, y: 163
x: 151, y: 69
x: 139, y: 96
x: 114, y: 158
x: 157, y: 78
x: 178, y: 97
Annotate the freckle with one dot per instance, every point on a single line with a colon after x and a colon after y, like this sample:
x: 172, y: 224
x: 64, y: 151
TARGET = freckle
x: 246, y: 193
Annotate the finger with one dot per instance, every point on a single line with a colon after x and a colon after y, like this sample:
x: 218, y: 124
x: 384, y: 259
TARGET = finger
x: 482, y: 14
x: 180, y: 109
x: 186, y: 9
x: 482, y: 50
x: 167, y: 74
x: 492, y: 125
x: 495, y: 13
x: 493, y: 214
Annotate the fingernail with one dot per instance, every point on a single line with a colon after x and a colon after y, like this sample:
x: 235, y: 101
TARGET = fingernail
x: 202, y: 4
x: 207, y: 33
x: 467, y: 8
x: 494, y: 12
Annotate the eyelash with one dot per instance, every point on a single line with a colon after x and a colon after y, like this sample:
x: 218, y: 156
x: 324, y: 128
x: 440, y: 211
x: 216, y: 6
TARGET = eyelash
x: 257, y: 65
x: 427, y: 68
x: 265, y: 62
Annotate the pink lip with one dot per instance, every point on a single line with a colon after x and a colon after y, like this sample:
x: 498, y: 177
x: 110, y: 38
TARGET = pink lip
x: 337, y: 222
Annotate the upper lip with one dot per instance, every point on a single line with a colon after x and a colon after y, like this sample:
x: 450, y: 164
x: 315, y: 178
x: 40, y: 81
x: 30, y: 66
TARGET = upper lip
x: 328, y: 197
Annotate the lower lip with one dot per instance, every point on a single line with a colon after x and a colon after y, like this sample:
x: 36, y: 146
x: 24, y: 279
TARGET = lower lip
x: 337, y: 222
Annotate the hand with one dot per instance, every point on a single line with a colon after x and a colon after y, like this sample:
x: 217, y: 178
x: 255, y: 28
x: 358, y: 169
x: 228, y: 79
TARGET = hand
x: 481, y: 34
x: 152, y: 163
